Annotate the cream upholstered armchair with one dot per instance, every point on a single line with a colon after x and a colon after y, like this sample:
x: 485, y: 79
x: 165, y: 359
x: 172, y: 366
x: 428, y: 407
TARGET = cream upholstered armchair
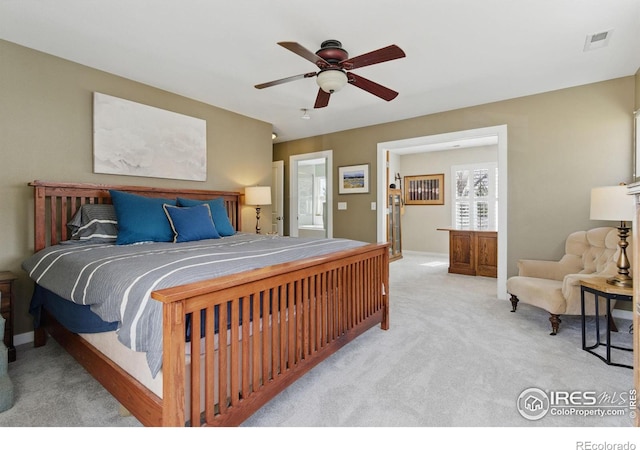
x: 555, y: 285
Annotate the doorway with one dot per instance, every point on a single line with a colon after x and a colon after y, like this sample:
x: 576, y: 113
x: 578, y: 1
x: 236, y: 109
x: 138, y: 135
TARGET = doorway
x: 277, y: 194
x: 311, y: 187
x: 427, y: 142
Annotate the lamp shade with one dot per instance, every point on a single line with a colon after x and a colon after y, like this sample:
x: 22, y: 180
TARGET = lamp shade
x: 612, y: 203
x: 331, y: 80
x: 257, y: 195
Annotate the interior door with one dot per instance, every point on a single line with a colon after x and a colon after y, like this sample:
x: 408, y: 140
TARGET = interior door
x: 277, y: 201
x: 310, y: 197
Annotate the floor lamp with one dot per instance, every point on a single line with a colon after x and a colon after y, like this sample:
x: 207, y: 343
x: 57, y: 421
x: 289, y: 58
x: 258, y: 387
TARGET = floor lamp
x: 614, y: 203
x: 257, y: 196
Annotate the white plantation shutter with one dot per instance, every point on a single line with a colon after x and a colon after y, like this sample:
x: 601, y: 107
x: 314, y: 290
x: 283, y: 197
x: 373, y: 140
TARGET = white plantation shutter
x: 475, y: 202
x: 462, y: 219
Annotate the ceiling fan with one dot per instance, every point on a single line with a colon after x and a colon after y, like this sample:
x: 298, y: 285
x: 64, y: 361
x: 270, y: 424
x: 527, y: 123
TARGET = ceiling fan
x: 335, y: 65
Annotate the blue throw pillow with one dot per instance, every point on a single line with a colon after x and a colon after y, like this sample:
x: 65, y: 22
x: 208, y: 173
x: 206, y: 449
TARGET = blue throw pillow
x: 218, y: 213
x: 191, y: 223
x: 141, y: 219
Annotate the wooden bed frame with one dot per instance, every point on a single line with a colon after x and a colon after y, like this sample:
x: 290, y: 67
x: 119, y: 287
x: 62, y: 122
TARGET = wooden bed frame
x: 336, y: 298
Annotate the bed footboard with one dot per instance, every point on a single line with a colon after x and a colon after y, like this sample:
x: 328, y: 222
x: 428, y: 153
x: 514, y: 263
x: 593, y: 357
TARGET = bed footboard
x: 292, y: 315
x: 298, y: 314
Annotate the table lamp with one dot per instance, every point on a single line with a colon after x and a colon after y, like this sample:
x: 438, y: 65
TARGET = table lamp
x: 614, y: 203
x: 257, y: 196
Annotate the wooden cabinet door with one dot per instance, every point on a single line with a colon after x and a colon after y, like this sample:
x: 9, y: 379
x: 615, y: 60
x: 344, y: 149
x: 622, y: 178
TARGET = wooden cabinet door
x: 462, y: 252
x: 487, y: 254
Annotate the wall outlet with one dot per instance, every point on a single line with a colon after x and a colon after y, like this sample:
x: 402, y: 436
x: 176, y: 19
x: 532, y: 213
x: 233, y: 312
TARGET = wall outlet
x: 342, y: 205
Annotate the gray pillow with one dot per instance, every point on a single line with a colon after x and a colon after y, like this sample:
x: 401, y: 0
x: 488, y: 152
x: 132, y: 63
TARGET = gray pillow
x: 94, y: 223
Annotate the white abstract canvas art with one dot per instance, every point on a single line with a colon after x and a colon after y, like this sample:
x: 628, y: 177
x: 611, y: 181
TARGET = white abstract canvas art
x: 130, y: 138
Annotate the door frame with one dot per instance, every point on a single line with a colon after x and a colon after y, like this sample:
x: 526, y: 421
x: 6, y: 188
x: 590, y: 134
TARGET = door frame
x: 293, y: 192
x: 500, y: 131
x: 277, y: 192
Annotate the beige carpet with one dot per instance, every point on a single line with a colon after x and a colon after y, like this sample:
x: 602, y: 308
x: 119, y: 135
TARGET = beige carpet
x: 455, y: 356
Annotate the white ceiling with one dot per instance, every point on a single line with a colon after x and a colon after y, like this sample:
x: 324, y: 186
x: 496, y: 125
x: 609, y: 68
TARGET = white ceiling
x: 459, y: 52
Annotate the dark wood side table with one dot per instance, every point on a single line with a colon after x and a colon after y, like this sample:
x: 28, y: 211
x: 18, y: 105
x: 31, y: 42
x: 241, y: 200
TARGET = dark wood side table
x: 600, y: 288
x: 6, y: 309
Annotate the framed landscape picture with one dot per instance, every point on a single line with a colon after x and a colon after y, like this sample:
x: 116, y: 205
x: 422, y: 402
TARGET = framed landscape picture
x: 424, y: 189
x: 353, y: 179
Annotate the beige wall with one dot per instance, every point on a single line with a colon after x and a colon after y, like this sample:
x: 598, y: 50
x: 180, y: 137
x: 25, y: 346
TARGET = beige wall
x: 420, y: 223
x: 46, y: 133
x: 560, y: 145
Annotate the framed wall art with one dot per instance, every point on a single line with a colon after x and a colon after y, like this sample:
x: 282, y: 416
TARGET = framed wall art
x: 353, y: 179
x: 424, y: 189
x: 130, y: 138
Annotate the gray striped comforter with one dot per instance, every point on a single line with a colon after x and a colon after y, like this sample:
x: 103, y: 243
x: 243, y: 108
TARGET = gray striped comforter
x: 117, y: 280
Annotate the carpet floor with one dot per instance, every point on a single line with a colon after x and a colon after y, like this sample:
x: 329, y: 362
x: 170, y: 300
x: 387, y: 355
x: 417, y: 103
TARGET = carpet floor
x: 454, y: 356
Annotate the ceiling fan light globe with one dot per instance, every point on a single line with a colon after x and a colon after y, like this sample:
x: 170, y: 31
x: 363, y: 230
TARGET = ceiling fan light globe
x: 331, y: 80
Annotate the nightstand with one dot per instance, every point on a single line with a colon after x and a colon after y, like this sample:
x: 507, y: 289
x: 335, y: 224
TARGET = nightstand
x: 6, y: 309
x: 600, y: 288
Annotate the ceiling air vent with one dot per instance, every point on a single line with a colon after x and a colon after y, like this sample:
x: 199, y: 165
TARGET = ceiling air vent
x: 597, y: 40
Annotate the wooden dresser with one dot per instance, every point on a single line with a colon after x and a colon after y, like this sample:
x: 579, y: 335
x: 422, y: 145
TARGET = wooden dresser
x: 6, y: 309
x: 473, y: 252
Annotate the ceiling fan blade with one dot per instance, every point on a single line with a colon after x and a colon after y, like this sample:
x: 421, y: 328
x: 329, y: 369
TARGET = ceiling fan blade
x: 285, y: 80
x: 371, y: 87
x: 322, y: 99
x: 377, y: 56
x: 305, y: 53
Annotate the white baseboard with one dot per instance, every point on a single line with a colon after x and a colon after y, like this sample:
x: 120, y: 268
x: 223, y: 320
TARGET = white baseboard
x: 435, y: 255
x: 24, y: 338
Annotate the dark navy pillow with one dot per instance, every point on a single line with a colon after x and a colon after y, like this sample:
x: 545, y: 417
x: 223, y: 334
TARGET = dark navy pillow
x: 218, y: 213
x: 141, y: 219
x: 191, y: 223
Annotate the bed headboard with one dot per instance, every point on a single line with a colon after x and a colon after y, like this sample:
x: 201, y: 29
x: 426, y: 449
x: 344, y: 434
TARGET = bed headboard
x: 56, y: 203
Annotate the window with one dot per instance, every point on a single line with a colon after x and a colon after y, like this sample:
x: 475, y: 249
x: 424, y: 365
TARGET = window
x: 475, y: 196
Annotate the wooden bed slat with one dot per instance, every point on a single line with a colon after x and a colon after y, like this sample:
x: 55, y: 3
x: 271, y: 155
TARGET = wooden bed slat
x: 222, y: 358
x: 267, y: 368
x: 210, y: 373
x: 238, y: 379
x: 256, y: 359
x: 245, y: 374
